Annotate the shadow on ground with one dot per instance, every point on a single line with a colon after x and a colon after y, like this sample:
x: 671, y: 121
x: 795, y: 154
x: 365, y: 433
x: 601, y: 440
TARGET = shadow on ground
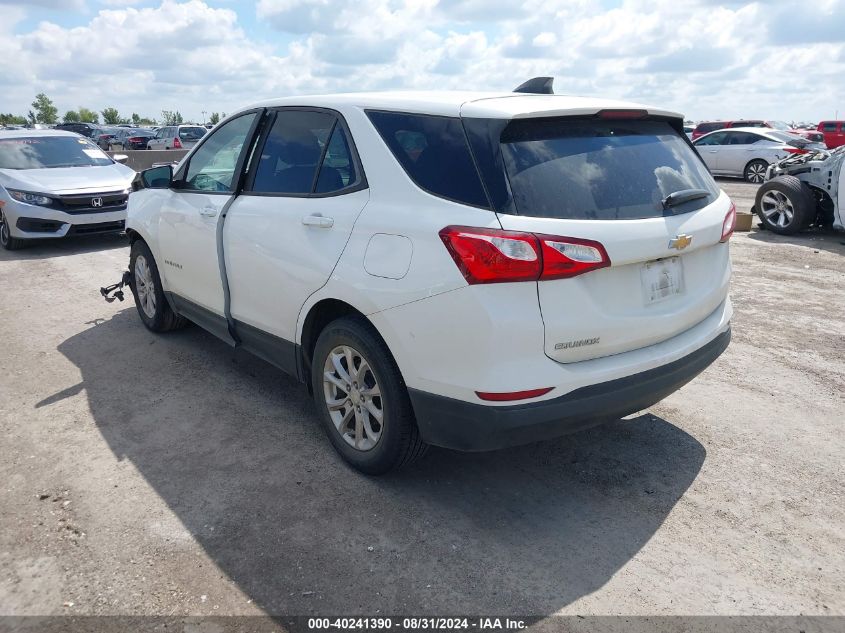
x: 232, y: 446
x: 815, y: 238
x: 75, y: 244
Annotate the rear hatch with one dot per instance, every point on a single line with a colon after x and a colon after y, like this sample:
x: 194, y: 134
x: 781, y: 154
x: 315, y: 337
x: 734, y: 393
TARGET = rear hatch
x: 608, y: 178
x: 190, y: 136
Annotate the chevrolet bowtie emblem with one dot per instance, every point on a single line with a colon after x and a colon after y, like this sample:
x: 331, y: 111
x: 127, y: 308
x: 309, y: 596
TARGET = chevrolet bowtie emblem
x: 680, y: 242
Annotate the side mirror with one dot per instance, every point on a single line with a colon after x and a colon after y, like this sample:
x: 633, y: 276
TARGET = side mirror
x: 157, y: 177
x: 120, y: 158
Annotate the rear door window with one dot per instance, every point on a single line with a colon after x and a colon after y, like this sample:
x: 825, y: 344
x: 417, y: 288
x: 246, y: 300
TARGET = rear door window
x: 600, y: 169
x: 744, y: 138
x: 433, y: 151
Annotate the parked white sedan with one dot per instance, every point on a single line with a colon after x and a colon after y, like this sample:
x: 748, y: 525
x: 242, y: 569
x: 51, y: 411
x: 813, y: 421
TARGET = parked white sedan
x: 55, y: 183
x: 747, y: 152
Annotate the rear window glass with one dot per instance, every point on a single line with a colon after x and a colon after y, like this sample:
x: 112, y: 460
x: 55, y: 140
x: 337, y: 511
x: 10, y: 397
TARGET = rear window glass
x: 191, y: 133
x: 599, y: 170
x: 433, y: 151
x: 829, y: 127
x: 709, y: 127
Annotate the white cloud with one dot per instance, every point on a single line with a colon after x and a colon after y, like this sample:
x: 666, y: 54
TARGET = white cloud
x: 708, y: 59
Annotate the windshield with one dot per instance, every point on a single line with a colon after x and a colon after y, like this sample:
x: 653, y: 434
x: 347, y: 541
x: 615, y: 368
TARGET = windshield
x: 45, y: 152
x: 191, y: 133
x: 600, y: 169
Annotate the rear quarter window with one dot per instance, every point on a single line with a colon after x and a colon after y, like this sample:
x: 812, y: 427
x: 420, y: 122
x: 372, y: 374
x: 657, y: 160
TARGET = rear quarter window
x: 434, y: 153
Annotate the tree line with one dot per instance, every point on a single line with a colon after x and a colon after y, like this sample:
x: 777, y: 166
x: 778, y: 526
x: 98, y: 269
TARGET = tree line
x: 44, y: 111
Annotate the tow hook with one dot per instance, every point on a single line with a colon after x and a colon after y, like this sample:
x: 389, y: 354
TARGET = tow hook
x: 115, y: 289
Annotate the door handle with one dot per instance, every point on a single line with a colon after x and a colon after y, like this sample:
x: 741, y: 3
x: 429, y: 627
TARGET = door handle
x: 318, y: 221
x: 208, y: 212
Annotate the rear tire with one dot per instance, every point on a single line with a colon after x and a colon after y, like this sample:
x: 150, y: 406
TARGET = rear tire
x: 755, y: 171
x: 362, y: 400
x: 6, y: 240
x: 785, y: 205
x: 152, y: 305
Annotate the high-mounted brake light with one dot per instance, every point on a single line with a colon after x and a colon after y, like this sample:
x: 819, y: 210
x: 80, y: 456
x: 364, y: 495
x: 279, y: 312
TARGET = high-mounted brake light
x: 487, y: 256
x: 729, y: 224
x: 497, y: 396
x: 622, y: 114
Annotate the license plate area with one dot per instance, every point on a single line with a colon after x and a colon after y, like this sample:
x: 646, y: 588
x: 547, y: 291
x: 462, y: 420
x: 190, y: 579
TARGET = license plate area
x: 662, y: 279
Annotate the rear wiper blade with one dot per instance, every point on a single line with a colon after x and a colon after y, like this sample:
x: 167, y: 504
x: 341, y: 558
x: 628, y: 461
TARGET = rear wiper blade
x: 684, y: 195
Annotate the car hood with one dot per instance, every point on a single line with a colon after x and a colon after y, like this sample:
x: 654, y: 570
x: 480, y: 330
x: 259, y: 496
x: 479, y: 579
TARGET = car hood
x: 68, y: 179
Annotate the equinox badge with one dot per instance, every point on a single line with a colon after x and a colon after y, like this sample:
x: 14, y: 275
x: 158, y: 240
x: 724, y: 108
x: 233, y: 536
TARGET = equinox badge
x: 680, y: 242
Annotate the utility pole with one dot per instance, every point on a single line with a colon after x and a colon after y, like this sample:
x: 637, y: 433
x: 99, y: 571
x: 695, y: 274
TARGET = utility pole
x: 203, y: 117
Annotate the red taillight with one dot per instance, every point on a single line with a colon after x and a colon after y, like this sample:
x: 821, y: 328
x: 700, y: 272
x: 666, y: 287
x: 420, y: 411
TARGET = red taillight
x: 569, y: 256
x: 512, y: 395
x: 729, y: 224
x: 177, y: 144
x: 486, y: 256
x: 795, y: 150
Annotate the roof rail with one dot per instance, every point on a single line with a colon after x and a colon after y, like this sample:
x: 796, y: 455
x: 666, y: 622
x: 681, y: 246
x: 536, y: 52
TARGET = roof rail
x: 537, y: 85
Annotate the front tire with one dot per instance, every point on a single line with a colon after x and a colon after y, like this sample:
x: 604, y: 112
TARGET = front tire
x: 785, y: 205
x: 362, y: 399
x: 755, y: 171
x: 6, y: 240
x: 152, y: 305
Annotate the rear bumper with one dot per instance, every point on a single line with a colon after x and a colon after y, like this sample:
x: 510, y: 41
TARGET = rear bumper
x: 468, y: 426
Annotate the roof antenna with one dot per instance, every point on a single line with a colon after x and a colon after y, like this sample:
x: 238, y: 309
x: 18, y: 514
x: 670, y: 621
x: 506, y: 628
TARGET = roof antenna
x: 537, y: 86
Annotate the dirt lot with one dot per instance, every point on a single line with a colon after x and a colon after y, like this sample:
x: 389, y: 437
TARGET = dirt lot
x: 172, y: 475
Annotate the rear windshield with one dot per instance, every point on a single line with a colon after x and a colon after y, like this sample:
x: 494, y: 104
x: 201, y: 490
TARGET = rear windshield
x: 599, y: 169
x: 41, y: 152
x: 789, y: 139
x: 191, y: 133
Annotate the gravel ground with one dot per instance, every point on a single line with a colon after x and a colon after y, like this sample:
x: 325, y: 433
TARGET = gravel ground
x: 172, y: 475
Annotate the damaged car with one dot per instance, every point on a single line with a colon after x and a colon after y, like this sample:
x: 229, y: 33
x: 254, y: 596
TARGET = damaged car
x: 803, y: 190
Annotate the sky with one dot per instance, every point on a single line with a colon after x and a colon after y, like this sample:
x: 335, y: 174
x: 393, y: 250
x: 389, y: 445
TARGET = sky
x: 777, y: 59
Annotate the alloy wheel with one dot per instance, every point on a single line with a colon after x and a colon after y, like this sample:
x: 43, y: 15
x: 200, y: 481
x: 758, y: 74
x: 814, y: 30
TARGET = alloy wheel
x: 145, y: 287
x: 4, y: 230
x: 756, y: 173
x: 777, y: 208
x: 353, y: 397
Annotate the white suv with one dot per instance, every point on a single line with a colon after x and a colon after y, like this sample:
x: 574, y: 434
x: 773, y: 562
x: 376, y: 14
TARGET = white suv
x: 471, y: 271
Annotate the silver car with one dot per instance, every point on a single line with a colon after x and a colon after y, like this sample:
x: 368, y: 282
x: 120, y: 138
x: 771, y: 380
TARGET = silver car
x: 54, y: 183
x: 176, y: 137
x: 748, y: 151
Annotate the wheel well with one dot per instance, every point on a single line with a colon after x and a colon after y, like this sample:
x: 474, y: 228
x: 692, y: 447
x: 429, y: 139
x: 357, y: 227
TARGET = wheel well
x: 321, y: 314
x: 133, y: 236
x: 755, y: 160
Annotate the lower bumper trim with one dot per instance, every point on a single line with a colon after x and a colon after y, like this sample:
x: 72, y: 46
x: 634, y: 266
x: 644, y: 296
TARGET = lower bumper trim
x: 468, y: 426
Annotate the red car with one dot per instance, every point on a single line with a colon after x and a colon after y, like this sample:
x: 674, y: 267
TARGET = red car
x: 834, y: 133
